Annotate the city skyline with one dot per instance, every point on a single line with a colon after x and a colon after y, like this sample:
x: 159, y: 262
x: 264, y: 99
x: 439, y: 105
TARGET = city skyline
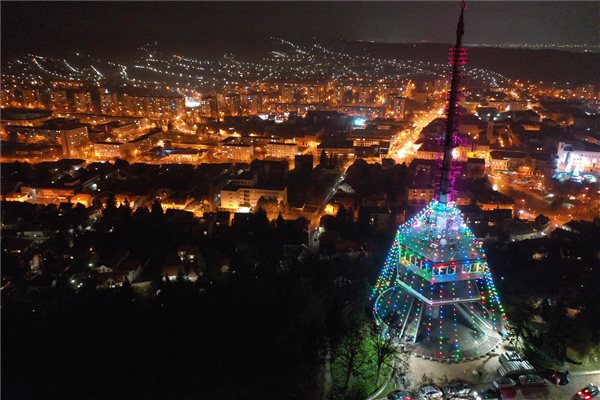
x: 259, y: 201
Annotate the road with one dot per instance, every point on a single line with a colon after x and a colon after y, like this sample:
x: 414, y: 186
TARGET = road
x: 402, y: 147
x: 315, y: 218
x: 531, y: 202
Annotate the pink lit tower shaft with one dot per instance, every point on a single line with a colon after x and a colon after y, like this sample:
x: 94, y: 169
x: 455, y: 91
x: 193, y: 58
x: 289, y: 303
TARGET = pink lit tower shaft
x: 457, y: 59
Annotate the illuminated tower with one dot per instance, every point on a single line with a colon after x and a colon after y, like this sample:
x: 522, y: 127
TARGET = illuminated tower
x: 435, y: 292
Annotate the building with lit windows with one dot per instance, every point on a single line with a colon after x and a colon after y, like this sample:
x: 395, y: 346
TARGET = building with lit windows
x: 235, y: 197
x: 71, y: 135
x: 281, y: 150
x: 363, y: 111
x: 180, y: 156
x: 490, y: 201
x: 31, y: 98
x: 154, y: 105
x: 337, y: 148
x: 58, y: 100
x: 141, y: 144
x: 504, y: 160
x: 312, y: 93
x: 578, y: 156
x: 83, y: 102
x: 209, y: 107
x: 108, y: 150
x: 232, y: 104
x: 420, y: 194
x: 288, y: 94
x: 48, y: 195
x: 109, y: 104
x: 398, y: 107
x: 253, y: 103
x: 238, y: 152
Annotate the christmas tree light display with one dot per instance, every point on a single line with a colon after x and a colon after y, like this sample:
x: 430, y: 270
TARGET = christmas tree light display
x: 435, y: 292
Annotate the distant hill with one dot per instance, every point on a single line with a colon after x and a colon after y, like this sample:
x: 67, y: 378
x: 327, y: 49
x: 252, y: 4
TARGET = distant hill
x: 527, y: 64
x: 535, y: 65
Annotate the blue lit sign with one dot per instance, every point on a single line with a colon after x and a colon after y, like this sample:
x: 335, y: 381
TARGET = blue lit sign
x: 359, y: 121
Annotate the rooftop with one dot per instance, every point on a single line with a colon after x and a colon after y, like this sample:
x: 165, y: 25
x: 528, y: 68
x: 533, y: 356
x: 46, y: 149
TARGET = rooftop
x: 439, y: 234
x: 582, y: 146
x: 24, y: 114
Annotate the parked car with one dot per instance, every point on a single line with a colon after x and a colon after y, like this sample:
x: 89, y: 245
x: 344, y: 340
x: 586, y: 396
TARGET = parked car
x: 400, y: 395
x: 430, y: 392
x: 531, y: 380
x: 560, y: 378
x: 488, y: 394
x: 588, y: 392
x: 504, y: 382
x: 457, y: 388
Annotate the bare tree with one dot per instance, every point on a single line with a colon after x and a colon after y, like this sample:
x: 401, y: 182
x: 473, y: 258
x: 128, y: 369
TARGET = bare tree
x: 351, y: 353
x: 387, y: 352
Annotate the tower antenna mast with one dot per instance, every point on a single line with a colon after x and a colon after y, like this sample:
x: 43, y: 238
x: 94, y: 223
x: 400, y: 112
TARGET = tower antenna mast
x: 457, y: 58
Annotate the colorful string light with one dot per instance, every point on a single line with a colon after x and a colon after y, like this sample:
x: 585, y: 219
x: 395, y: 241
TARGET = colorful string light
x: 437, y: 267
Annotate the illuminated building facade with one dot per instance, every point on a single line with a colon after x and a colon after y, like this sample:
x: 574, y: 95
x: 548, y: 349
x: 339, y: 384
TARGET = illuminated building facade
x: 576, y: 157
x: 180, y: 156
x: 253, y: 103
x: 75, y: 142
x: 233, y: 104
x: 154, y: 106
x: 31, y: 98
x: 234, y: 197
x: 288, y: 94
x: 341, y: 149
x: 109, y: 103
x: 398, y: 107
x: 209, y: 106
x: 363, y: 111
x: 83, y: 102
x: 58, y: 100
x: 70, y: 135
x: 238, y: 152
x: 108, y: 150
x: 435, y: 292
x: 420, y: 194
x: 281, y: 150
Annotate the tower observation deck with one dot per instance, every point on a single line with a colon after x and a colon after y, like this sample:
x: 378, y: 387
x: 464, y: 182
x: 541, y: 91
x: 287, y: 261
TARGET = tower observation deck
x: 435, y: 292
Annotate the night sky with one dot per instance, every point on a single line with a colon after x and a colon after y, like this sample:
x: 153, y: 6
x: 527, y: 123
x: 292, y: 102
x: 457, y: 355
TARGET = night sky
x: 52, y: 26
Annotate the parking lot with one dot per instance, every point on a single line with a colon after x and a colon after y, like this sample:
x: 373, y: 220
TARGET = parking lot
x: 481, y: 373
x: 553, y: 392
